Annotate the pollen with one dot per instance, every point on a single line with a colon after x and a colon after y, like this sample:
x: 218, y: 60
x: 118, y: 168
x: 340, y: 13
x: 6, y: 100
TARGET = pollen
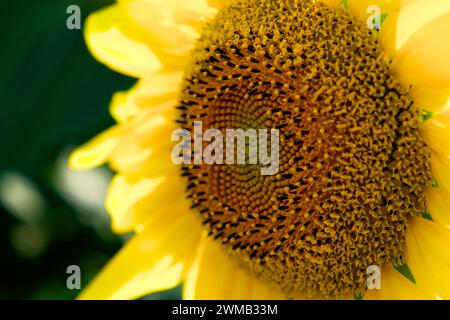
x: 352, y: 164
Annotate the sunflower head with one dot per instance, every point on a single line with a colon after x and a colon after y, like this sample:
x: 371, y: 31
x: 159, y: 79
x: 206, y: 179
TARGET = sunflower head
x: 353, y: 166
x: 362, y: 167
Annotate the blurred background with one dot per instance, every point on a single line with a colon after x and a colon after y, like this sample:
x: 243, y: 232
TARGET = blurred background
x: 54, y: 97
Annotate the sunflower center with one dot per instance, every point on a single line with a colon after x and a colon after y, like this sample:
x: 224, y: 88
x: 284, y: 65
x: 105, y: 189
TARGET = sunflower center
x: 352, y: 164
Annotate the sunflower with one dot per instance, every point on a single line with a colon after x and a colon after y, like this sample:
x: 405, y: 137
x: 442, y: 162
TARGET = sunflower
x: 359, y: 90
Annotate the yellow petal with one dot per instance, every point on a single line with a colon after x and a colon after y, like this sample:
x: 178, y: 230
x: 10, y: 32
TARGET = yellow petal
x: 423, y: 59
x: 438, y: 203
x: 394, y: 286
x: 428, y: 256
x: 122, y: 195
x: 153, y: 260
x: 122, y: 106
x: 160, y: 84
x: 431, y: 100
x: 146, y: 147
x: 112, y: 40
x: 436, y: 132
x: 131, y: 202
x: 192, y: 12
x: 178, y: 11
x: 95, y: 152
x: 441, y: 171
x: 158, y: 90
x: 214, y: 275
x: 415, y: 14
x: 170, y: 27
x: 220, y: 4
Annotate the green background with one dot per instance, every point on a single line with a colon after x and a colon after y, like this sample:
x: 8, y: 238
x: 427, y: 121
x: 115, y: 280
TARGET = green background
x: 54, y: 96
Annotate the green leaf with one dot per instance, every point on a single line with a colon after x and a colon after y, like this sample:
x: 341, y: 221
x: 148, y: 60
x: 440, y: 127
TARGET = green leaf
x: 344, y: 4
x: 427, y: 215
x: 427, y: 115
x: 383, y: 18
x: 435, y: 183
x: 358, y: 295
x: 406, y: 272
